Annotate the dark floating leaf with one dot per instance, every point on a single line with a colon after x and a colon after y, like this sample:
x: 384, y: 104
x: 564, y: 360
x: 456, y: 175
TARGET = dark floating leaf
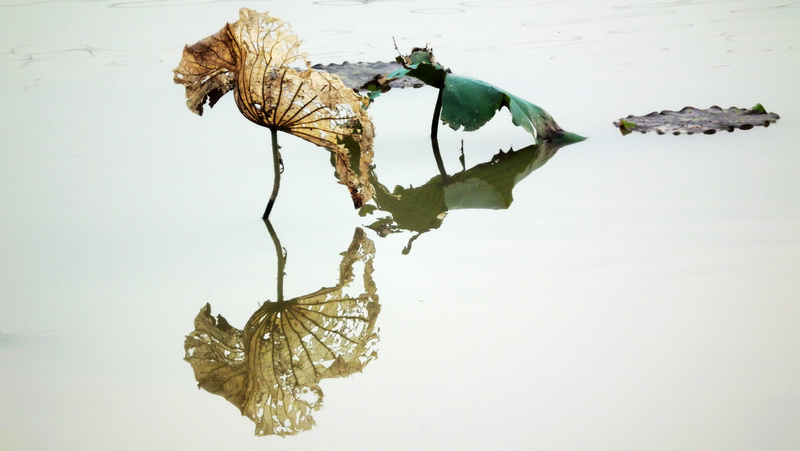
x: 364, y: 76
x: 691, y: 120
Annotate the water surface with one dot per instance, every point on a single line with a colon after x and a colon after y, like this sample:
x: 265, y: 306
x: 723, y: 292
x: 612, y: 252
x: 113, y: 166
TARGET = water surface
x: 641, y: 292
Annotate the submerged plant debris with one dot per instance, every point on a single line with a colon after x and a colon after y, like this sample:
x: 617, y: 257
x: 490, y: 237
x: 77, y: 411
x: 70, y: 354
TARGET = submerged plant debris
x: 691, y: 120
x: 271, y: 369
x: 252, y: 57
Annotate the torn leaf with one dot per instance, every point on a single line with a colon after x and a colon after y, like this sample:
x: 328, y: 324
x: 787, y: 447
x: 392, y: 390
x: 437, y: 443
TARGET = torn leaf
x: 422, y: 65
x: 215, y: 65
x: 271, y: 369
x: 691, y: 120
x: 252, y: 57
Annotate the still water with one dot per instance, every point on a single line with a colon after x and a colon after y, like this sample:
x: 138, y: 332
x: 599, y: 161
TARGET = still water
x: 641, y: 292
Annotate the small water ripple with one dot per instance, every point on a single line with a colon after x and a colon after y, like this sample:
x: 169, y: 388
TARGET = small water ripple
x: 438, y: 11
x: 606, y: 52
x: 652, y: 28
x: 343, y: 2
x: 606, y: 18
x: 38, y: 63
x: 508, y: 3
x: 751, y: 14
x: 516, y: 43
x: 115, y: 4
x: 657, y: 4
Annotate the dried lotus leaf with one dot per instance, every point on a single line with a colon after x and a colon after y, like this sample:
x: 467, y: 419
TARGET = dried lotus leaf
x: 252, y: 57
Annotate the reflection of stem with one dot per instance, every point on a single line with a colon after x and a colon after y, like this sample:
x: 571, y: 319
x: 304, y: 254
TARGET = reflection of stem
x: 276, y: 163
x: 281, y: 253
x: 435, y: 135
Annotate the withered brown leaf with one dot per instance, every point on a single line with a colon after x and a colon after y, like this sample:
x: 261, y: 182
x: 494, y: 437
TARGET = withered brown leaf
x: 271, y: 369
x: 252, y: 57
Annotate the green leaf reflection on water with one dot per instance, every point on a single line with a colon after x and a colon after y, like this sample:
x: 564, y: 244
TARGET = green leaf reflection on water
x: 487, y: 185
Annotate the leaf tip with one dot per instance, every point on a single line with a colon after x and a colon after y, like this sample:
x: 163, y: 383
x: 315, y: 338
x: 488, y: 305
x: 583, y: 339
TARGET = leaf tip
x: 626, y: 127
x: 758, y: 109
x: 569, y: 138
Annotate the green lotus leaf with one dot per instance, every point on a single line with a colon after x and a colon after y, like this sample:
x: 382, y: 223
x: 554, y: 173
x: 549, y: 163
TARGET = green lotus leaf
x: 431, y: 74
x: 471, y: 103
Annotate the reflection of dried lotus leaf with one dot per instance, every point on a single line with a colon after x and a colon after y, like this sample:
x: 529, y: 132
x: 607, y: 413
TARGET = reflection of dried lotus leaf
x: 271, y: 370
x: 252, y: 57
x: 216, y: 351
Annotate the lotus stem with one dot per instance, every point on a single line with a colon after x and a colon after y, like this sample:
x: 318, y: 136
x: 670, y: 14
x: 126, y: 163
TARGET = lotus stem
x: 276, y: 164
x: 435, y: 135
x: 281, y: 253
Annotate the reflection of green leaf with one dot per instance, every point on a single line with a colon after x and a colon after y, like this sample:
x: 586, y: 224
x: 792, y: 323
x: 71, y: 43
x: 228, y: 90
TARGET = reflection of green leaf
x: 489, y: 185
x: 271, y: 369
x: 485, y: 186
x: 691, y: 120
x: 414, y: 209
x: 475, y: 193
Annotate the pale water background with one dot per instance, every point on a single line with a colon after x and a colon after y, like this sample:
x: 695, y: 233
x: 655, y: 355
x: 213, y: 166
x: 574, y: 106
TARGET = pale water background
x: 642, y: 292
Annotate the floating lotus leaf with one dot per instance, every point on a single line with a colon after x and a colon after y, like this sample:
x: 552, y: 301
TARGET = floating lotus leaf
x: 252, y: 58
x: 364, y: 76
x: 691, y: 120
x: 270, y: 370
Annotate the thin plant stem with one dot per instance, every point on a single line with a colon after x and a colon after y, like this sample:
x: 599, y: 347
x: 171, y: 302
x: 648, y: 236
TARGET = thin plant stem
x: 276, y: 163
x: 435, y: 135
x: 281, y: 253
